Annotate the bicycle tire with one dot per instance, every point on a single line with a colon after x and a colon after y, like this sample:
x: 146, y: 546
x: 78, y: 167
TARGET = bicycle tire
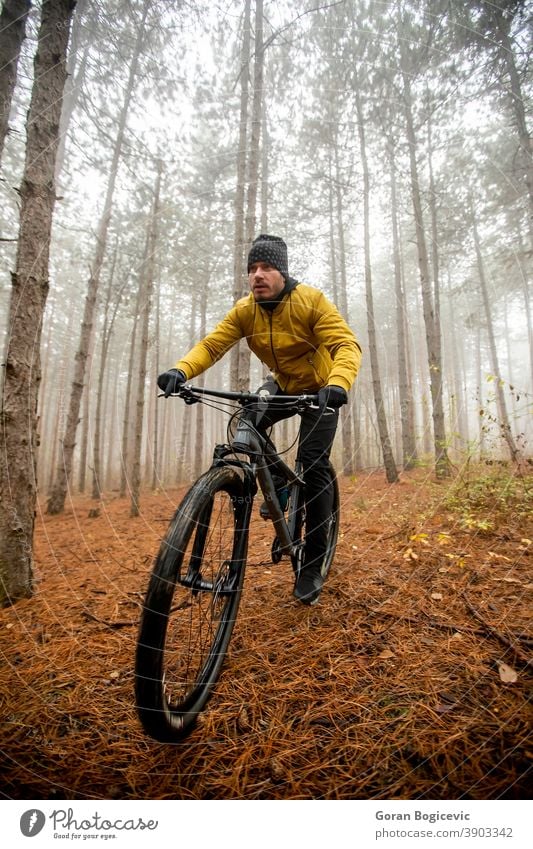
x: 185, y: 630
x: 333, y: 530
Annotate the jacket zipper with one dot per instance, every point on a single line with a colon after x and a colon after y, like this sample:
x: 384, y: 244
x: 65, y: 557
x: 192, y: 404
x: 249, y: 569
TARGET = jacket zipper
x: 272, y: 344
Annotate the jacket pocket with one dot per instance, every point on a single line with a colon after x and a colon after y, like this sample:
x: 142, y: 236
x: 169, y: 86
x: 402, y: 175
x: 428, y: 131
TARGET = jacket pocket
x: 321, y: 363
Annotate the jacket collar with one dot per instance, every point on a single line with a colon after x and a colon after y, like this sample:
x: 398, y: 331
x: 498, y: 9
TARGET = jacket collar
x: 270, y: 306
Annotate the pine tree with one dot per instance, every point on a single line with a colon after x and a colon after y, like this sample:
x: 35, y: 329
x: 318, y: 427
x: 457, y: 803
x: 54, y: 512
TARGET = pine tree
x: 18, y: 420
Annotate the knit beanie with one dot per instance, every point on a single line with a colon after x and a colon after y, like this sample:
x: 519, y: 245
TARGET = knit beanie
x: 270, y: 249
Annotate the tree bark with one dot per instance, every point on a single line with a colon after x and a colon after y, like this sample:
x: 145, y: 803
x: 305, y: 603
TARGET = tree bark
x: 405, y: 396
x: 442, y: 462
x: 56, y: 502
x: 156, y: 467
x: 342, y: 289
x: 140, y: 391
x: 75, y: 77
x: 388, y: 457
x: 200, y: 408
x: 12, y: 34
x: 243, y: 378
x: 481, y: 400
x: 107, y: 331
x: 264, y: 172
x: 459, y: 379
x: 332, y: 246
x: 239, y: 278
x: 18, y: 417
x: 503, y: 26
x: 504, y: 424
x: 85, y: 421
x: 526, y: 284
x: 126, y: 422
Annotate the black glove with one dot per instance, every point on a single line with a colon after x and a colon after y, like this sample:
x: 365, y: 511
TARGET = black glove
x: 170, y: 381
x: 332, y: 396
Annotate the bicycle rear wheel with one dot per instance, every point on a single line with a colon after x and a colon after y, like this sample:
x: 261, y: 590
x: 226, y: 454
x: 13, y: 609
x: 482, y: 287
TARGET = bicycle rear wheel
x: 191, y: 605
x: 333, y: 526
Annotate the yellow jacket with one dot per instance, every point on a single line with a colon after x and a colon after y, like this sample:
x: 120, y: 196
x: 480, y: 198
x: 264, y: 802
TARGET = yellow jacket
x: 304, y: 341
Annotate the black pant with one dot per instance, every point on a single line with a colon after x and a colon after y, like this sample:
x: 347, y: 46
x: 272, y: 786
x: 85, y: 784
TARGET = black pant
x: 314, y: 447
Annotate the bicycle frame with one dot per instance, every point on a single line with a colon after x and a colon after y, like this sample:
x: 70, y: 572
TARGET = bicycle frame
x: 261, y: 458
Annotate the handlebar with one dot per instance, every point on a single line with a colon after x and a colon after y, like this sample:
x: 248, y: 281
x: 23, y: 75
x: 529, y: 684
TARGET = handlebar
x: 189, y: 393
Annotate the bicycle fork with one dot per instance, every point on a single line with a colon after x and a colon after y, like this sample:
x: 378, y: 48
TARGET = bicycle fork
x: 229, y: 574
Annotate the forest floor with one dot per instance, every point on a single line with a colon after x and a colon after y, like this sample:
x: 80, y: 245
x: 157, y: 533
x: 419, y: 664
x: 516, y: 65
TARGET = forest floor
x: 412, y: 678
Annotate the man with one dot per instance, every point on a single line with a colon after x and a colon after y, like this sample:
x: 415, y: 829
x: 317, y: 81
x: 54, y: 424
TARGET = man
x: 309, y: 348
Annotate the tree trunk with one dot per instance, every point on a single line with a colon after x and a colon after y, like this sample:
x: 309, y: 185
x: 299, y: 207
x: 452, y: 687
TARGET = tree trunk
x: 457, y: 361
x: 356, y: 419
x: 388, y: 457
x: 504, y: 424
x: 12, y: 34
x: 183, y: 464
x: 18, y: 417
x: 147, y: 286
x: 332, y: 248
x: 345, y: 413
x: 264, y: 172
x: 75, y: 76
x: 107, y: 332
x: 126, y: 423
x: 49, y: 380
x: 56, y: 502
x: 243, y: 379
x: 239, y: 278
x: 526, y: 284
x: 56, y: 415
x: 200, y: 408
x: 112, y: 430
x: 481, y: 416
x: 405, y: 396
x: 85, y: 421
x: 503, y: 25
x: 442, y: 462
x: 156, y: 467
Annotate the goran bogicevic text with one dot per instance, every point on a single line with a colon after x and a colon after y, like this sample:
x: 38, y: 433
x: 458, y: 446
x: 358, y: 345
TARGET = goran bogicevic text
x: 435, y: 816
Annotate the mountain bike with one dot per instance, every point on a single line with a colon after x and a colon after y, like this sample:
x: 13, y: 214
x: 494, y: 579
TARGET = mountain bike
x: 197, y: 579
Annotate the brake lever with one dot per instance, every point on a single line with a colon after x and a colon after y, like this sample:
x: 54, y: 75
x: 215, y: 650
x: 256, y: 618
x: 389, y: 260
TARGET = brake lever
x: 183, y: 392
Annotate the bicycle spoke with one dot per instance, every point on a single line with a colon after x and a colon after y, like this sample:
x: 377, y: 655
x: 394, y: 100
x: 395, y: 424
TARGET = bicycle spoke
x: 190, y: 642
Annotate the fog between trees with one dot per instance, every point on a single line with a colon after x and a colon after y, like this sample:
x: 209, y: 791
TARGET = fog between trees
x: 387, y: 142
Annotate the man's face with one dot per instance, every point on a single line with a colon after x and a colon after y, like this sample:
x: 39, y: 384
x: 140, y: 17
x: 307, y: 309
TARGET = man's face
x: 265, y: 282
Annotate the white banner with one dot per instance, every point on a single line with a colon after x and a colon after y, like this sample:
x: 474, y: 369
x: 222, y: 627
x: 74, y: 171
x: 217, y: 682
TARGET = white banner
x: 265, y: 824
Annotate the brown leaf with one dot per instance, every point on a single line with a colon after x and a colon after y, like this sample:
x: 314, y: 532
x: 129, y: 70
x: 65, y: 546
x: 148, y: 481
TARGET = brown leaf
x: 507, y: 673
x: 243, y: 721
x: 386, y: 654
x: 277, y: 771
x: 446, y: 708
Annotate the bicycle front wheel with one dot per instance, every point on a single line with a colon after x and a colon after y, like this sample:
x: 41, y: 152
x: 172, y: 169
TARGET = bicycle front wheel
x: 191, y: 605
